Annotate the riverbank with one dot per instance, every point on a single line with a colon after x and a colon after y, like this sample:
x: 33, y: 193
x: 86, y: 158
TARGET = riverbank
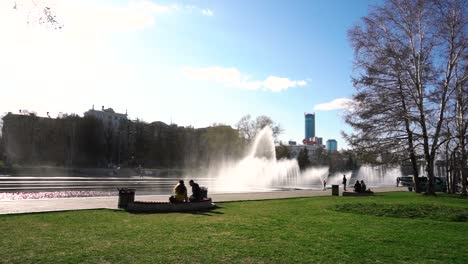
x: 110, y: 202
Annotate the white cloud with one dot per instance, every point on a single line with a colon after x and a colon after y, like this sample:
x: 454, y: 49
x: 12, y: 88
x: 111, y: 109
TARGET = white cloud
x: 340, y: 103
x: 207, y: 12
x: 277, y: 84
x: 108, y: 18
x: 232, y: 77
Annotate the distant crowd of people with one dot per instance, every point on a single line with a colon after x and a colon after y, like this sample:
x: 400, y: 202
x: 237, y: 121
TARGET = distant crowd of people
x: 359, y: 186
x: 180, y: 193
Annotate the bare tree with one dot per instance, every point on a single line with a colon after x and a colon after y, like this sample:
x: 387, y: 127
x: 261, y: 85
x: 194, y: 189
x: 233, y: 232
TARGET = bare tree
x: 382, y: 115
x: 461, y: 115
x: 414, y: 47
x: 248, y: 128
x: 38, y: 12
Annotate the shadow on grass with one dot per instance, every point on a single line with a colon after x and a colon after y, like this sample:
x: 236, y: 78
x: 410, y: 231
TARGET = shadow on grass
x: 422, y: 211
x: 452, y: 196
x: 206, y: 212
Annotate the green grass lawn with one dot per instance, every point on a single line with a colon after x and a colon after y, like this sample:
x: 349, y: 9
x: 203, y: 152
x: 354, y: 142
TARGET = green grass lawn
x: 307, y: 230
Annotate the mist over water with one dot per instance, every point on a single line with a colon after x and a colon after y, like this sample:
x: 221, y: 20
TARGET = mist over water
x: 378, y: 175
x: 260, y: 171
x: 313, y: 177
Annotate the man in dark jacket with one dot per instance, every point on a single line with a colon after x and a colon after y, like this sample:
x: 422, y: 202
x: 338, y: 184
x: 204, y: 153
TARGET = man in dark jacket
x: 344, y: 181
x: 196, y: 192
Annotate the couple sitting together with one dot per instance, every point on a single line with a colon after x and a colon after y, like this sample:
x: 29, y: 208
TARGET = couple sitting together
x: 180, y: 193
x: 360, y: 187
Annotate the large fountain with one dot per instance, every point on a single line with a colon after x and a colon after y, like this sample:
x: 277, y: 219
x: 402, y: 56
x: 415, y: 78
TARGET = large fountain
x: 259, y: 170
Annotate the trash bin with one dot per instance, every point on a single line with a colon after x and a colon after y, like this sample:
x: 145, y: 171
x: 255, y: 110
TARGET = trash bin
x: 126, y: 196
x: 335, y: 190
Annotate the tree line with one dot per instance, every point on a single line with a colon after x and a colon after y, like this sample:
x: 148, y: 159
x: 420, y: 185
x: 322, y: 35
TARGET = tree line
x: 411, y: 99
x: 71, y: 140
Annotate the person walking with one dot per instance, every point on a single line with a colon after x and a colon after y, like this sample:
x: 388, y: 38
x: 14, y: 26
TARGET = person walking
x: 344, y: 181
x: 324, y: 185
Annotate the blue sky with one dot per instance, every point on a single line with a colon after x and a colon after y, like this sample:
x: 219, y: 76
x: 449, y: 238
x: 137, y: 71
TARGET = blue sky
x: 192, y: 62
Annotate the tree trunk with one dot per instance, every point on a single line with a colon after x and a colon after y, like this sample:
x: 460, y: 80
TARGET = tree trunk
x: 427, y: 154
x: 463, y: 171
x: 462, y: 129
x: 413, y: 159
x: 430, y: 176
x: 454, y: 172
x: 447, y: 171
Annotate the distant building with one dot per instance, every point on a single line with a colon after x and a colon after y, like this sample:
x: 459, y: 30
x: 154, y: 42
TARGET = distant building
x: 318, y: 140
x: 292, y: 143
x: 309, y: 126
x: 108, y: 116
x: 313, y: 141
x: 312, y: 150
x: 332, y: 145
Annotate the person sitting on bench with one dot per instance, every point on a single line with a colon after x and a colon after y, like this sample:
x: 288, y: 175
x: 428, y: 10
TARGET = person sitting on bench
x: 180, y: 193
x: 357, y: 187
x: 196, y: 192
x: 363, y: 186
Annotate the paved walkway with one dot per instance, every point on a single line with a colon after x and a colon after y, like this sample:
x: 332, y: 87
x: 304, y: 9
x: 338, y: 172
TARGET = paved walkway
x: 110, y: 202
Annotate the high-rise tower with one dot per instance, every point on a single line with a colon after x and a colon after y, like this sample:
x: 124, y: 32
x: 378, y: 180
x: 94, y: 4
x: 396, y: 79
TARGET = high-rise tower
x: 309, y: 126
x: 332, y: 145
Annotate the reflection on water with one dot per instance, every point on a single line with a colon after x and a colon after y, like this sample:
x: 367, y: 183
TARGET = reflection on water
x: 10, y: 196
x: 19, y: 188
